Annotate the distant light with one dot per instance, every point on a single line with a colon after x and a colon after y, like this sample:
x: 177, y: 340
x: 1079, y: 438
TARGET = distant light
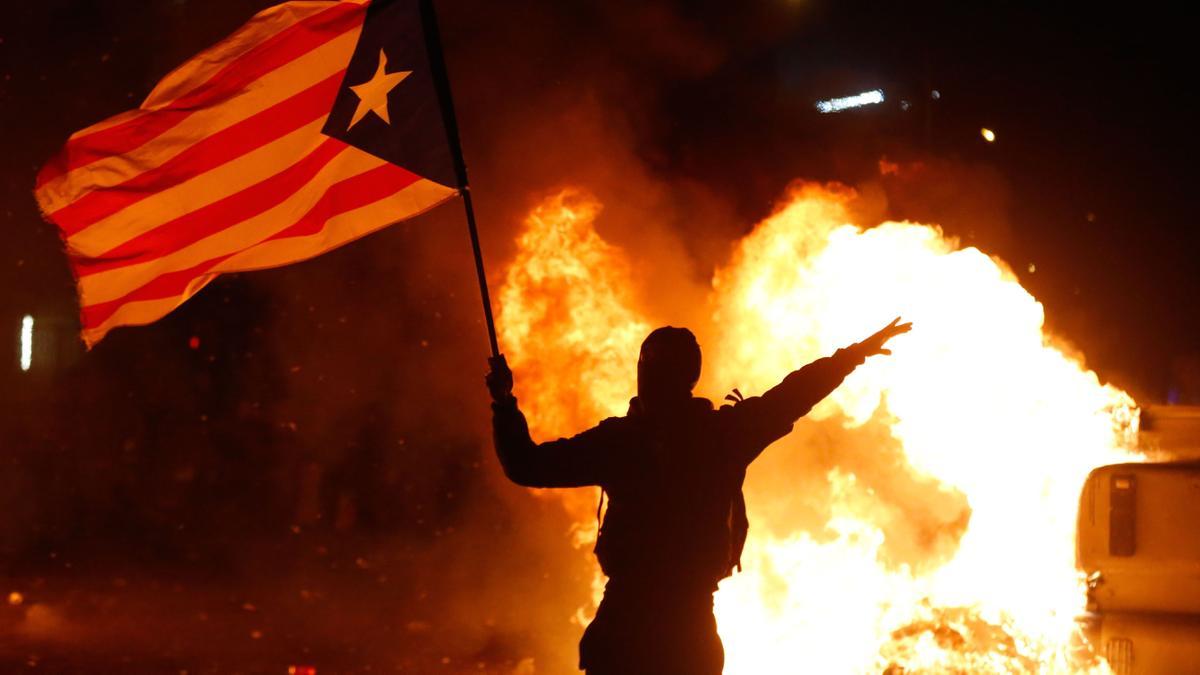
x: 26, y: 342
x: 905, y: 105
x: 935, y: 94
x: 856, y: 101
x: 1032, y: 268
x: 988, y: 134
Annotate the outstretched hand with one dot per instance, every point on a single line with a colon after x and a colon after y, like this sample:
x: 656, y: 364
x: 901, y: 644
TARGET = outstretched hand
x: 499, y: 379
x: 875, y: 344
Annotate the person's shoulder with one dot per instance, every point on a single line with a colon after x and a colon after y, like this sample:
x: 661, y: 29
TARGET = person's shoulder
x: 736, y: 401
x: 709, y: 410
x: 740, y: 410
x: 614, y: 424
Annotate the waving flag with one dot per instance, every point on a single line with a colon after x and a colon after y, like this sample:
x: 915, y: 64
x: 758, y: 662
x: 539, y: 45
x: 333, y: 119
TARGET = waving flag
x: 314, y: 124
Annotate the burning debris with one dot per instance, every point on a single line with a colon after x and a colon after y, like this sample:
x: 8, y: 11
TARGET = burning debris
x: 922, y: 518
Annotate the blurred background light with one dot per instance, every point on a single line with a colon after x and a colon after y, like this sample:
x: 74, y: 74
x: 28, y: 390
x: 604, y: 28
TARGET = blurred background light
x: 26, y: 342
x: 856, y: 101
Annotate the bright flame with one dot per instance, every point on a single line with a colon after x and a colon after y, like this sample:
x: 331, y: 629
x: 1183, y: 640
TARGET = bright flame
x: 26, y: 342
x: 922, y: 518
x: 572, y: 369
x: 977, y: 397
x: 988, y: 134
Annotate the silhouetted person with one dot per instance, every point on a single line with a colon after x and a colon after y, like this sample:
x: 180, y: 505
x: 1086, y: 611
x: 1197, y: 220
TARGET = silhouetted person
x: 673, y: 469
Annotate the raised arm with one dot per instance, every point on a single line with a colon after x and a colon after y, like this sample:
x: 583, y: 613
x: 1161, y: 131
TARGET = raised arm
x: 766, y: 418
x: 804, y: 388
x: 566, y: 462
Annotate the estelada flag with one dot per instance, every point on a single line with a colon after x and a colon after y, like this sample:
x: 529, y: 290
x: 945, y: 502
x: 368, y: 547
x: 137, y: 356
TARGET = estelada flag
x: 314, y: 124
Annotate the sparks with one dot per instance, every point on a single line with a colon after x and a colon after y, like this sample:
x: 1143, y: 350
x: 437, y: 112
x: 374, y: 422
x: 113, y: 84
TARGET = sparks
x: 856, y: 101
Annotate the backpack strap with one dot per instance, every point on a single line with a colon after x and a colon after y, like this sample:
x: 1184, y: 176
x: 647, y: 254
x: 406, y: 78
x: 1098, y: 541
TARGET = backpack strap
x: 739, y: 527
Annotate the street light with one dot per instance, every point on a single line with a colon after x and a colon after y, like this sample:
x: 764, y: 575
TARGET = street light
x: 26, y: 342
x: 858, y: 100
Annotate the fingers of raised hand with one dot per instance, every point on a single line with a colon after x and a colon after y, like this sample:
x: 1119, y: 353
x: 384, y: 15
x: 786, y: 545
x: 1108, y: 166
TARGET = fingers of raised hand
x: 893, y: 329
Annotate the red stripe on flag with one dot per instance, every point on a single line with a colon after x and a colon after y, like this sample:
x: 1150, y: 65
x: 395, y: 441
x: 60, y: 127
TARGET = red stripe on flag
x: 369, y: 186
x: 213, y: 151
x: 164, y: 286
x: 212, y: 218
x: 278, y: 50
x: 347, y: 195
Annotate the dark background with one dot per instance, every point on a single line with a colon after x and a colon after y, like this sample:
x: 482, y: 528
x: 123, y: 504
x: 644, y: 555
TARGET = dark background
x: 335, y: 405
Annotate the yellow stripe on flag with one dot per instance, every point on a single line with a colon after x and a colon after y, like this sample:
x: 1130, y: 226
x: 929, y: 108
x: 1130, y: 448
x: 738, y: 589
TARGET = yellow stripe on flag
x: 412, y: 200
x: 142, y: 312
x: 114, y: 283
x: 275, y: 86
x: 200, y: 68
x: 341, y: 229
x: 195, y: 193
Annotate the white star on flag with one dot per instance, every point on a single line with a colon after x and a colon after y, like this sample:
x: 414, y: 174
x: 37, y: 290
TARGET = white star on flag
x: 373, y: 94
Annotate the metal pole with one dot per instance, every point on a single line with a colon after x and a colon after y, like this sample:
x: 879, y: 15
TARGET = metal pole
x: 441, y: 78
x: 479, y: 270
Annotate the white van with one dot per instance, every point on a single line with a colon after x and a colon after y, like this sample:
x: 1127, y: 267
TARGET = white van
x: 1138, y: 539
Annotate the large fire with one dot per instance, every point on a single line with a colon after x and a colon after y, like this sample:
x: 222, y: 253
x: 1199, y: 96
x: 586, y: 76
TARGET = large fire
x: 921, y: 519
x: 568, y: 327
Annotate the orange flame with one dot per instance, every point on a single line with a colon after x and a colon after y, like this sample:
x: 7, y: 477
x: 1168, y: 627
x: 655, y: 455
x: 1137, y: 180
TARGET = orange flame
x: 921, y: 519
x: 567, y: 328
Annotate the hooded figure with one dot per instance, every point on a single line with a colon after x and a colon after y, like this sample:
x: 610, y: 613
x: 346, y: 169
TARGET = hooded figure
x: 673, y: 468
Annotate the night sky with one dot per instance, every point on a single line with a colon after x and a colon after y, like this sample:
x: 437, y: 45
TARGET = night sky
x: 185, y: 444
x: 1089, y: 179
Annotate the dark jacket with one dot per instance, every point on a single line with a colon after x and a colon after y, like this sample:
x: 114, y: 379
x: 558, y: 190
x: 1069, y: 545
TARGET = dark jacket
x: 671, y: 479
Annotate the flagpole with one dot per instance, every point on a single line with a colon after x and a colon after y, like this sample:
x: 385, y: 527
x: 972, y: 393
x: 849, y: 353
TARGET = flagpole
x: 479, y: 270
x: 441, y: 79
